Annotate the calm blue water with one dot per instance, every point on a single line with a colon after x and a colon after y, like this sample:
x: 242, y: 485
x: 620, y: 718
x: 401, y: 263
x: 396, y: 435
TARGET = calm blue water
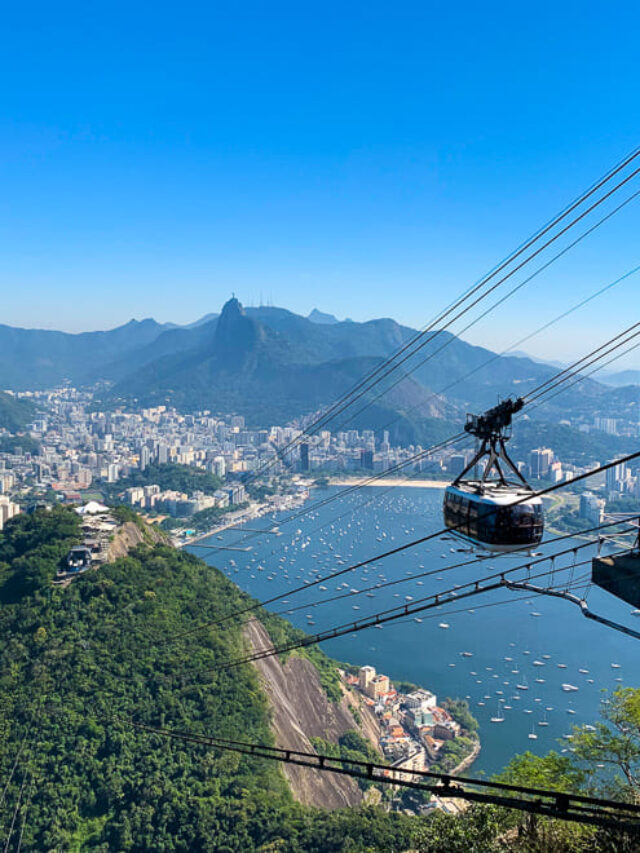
x: 374, y: 520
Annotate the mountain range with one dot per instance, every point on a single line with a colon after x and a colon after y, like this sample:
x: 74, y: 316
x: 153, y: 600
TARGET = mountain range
x: 273, y: 366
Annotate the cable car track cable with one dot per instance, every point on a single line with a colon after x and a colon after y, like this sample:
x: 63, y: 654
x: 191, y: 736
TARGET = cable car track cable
x: 581, y: 377
x: 570, y: 372
x: 549, y: 803
x: 469, y: 589
x: 485, y: 313
x: 321, y: 418
x: 332, y: 413
x: 400, y: 548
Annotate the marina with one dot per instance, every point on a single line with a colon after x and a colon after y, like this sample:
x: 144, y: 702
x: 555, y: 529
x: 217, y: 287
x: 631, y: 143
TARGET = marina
x: 522, y: 676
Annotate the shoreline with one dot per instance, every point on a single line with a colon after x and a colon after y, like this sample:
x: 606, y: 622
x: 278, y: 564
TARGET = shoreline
x: 258, y: 510
x: 470, y: 759
x: 248, y: 514
x: 389, y: 481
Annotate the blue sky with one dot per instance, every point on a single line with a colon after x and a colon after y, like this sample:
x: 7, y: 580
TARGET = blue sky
x: 368, y: 159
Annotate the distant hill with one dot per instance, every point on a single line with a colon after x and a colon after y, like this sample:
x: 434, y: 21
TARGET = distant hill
x: 15, y: 414
x: 272, y: 366
x: 618, y: 380
x: 323, y: 319
x: 552, y: 362
x: 32, y: 359
x: 206, y: 318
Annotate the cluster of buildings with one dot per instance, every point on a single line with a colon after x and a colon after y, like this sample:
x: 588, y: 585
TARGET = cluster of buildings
x: 541, y: 464
x: 612, y: 426
x: 181, y: 505
x: 619, y: 482
x: 413, y: 727
x: 81, y: 449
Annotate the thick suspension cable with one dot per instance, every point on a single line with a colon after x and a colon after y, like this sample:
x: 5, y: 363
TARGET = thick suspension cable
x: 486, y: 312
x: 479, y: 586
x: 556, y: 804
x: 568, y: 373
x: 581, y: 377
x: 524, y: 340
x: 417, y: 337
x: 333, y: 411
x: 400, y: 548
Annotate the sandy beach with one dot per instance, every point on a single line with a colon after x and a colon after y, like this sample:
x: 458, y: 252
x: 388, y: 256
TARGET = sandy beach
x: 389, y: 481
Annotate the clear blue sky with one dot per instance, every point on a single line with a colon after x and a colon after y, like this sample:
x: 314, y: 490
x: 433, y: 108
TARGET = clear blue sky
x: 370, y: 159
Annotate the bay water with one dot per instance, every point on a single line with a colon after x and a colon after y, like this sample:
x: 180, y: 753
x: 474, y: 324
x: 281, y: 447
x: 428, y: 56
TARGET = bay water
x: 507, y: 652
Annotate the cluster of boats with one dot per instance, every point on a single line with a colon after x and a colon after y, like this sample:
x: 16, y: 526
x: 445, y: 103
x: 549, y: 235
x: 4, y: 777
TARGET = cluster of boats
x: 317, y: 550
x: 519, y: 686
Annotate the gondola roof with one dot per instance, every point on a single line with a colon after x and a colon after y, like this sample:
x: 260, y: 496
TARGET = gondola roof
x: 495, y: 493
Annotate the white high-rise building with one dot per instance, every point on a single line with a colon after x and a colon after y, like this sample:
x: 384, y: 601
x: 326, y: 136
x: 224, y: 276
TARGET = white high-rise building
x: 7, y: 510
x: 540, y: 461
x: 220, y: 467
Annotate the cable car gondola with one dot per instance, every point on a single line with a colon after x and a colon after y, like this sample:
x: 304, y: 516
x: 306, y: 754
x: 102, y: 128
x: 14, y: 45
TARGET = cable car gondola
x: 494, y: 513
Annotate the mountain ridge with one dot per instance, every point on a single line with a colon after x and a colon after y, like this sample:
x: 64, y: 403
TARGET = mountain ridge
x: 275, y: 366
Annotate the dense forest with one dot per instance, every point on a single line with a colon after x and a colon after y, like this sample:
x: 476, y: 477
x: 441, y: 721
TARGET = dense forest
x: 15, y: 413
x: 75, y: 660
x: 77, y: 663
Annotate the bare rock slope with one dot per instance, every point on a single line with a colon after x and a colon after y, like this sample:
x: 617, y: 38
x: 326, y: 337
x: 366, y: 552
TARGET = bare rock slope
x: 129, y: 535
x: 300, y: 711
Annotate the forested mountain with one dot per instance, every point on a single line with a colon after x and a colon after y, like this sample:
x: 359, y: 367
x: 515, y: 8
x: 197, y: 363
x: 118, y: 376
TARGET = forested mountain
x: 274, y: 372
x: 77, y: 663
x: 73, y: 661
x: 272, y: 366
x: 39, y: 358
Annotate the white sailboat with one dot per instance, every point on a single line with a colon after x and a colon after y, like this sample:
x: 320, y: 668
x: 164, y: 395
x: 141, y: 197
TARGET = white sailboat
x: 498, y: 716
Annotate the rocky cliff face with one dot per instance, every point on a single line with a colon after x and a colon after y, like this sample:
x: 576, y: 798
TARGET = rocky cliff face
x: 301, y: 711
x: 236, y: 337
x: 129, y: 535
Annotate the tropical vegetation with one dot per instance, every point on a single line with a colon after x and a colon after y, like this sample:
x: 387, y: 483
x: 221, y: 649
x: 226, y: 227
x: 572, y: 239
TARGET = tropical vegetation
x: 78, y: 664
